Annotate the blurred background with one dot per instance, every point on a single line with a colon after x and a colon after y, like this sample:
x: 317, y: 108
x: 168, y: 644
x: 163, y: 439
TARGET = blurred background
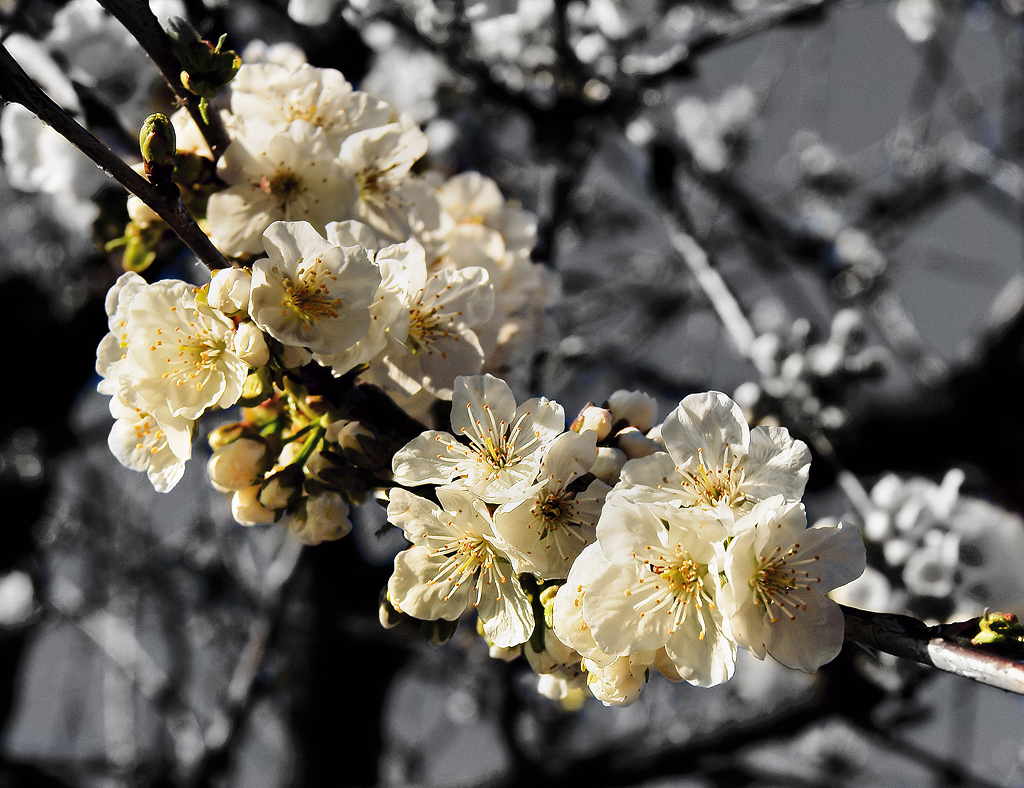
x: 815, y: 207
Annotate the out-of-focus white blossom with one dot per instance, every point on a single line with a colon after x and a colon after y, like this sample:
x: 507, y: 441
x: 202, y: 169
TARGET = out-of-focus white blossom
x: 917, y: 18
x: 287, y: 175
x: 711, y: 130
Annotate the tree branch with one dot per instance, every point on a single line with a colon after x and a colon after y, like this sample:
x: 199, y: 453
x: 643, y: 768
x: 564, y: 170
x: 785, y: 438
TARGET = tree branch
x: 938, y: 647
x: 140, y: 21
x: 17, y: 86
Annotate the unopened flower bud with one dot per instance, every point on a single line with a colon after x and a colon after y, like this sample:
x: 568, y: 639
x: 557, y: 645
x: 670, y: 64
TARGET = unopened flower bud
x: 595, y: 419
x: 634, y: 407
x: 635, y: 444
x: 206, y: 68
x: 229, y: 291
x: 389, y: 615
x: 608, y: 464
x: 225, y: 434
x: 238, y: 465
x: 357, y: 443
x: 293, y: 357
x: 282, y: 487
x: 440, y: 631
x: 323, y: 518
x: 158, y: 145
x: 617, y: 684
x: 250, y: 345
x: 258, y: 386
x: 247, y: 510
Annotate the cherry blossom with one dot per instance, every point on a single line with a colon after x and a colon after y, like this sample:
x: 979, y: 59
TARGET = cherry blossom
x: 456, y: 562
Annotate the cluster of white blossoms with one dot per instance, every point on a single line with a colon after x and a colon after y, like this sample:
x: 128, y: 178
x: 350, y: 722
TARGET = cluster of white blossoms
x: 344, y: 260
x: 700, y: 547
x: 599, y: 551
x: 458, y: 296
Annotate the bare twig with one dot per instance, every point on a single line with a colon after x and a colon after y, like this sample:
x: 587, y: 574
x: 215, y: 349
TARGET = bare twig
x: 17, y: 86
x: 909, y: 638
x: 140, y: 21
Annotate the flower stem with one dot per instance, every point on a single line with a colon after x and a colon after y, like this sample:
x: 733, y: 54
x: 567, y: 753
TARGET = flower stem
x: 17, y: 86
x: 140, y: 21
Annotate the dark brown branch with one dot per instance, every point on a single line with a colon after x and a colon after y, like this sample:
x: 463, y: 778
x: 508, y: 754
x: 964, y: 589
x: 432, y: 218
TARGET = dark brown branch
x: 140, y: 21
x: 18, y: 87
x: 909, y: 638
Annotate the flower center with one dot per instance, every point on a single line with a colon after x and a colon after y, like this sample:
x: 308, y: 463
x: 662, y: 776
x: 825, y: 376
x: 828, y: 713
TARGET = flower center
x: 781, y: 581
x: 713, y: 485
x: 680, y: 590
x: 424, y: 328
x: 310, y: 297
x: 466, y: 558
x: 285, y: 186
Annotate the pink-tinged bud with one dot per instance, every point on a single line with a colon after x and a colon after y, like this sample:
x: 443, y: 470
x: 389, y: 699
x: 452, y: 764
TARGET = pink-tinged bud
x: 634, y: 407
x: 229, y: 291
x: 250, y: 345
x: 238, y: 465
x: 635, y: 444
x: 608, y: 464
x: 594, y: 419
x: 247, y: 510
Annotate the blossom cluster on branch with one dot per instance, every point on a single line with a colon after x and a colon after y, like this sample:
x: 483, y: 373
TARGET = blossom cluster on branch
x: 700, y: 546
x: 599, y: 551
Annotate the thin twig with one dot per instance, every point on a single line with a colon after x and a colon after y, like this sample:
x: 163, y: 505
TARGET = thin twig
x: 17, y: 86
x: 909, y: 638
x: 140, y: 21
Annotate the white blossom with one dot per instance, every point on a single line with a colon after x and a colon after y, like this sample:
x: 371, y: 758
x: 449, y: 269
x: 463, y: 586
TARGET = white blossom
x: 779, y: 572
x: 715, y: 460
x: 310, y: 293
x: 276, y: 174
x: 179, y: 355
x: 660, y: 589
x: 549, y: 527
x: 504, y: 444
x: 276, y: 95
x: 141, y: 442
x: 456, y: 562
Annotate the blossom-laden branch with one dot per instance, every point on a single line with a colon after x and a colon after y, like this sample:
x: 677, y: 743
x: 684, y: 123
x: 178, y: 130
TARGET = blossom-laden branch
x: 946, y: 647
x: 18, y: 87
x: 140, y: 21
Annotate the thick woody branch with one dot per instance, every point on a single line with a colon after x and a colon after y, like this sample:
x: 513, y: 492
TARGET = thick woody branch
x: 18, y: 87
x: 938, y: 647
x: 140, y: 21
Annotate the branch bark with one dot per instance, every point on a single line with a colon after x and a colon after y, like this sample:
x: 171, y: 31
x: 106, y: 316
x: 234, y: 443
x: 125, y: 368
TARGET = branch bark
x: 17, y: 86
x: 937, y: 647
